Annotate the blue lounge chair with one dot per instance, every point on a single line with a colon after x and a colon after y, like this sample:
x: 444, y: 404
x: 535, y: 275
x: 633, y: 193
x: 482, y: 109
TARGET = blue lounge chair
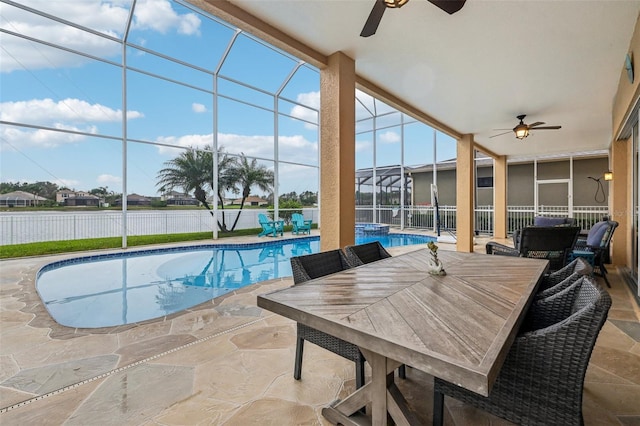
x: 300, y: 224
x: 270, y: 227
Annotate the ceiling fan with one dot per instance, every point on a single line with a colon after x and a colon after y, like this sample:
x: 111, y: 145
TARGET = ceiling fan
x: 522, y: 130
x: 370, y: 27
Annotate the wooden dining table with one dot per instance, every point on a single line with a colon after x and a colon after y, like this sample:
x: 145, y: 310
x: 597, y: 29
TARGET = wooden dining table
x: 457, y: 327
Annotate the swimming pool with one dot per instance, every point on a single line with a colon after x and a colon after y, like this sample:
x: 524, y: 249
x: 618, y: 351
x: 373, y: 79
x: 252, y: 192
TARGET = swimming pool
x: 123, y: 288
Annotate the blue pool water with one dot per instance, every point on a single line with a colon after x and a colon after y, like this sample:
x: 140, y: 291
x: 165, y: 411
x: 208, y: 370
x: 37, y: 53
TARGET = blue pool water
x: 114, y: 289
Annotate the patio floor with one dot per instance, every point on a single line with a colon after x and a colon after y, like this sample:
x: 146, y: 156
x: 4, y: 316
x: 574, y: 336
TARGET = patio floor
x: 229, y: 362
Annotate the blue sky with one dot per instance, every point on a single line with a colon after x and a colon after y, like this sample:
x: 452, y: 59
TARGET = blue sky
x: 49, y: 87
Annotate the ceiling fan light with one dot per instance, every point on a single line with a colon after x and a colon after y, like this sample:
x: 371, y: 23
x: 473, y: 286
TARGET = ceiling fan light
x: 521, y: 131
x: 395, y: 3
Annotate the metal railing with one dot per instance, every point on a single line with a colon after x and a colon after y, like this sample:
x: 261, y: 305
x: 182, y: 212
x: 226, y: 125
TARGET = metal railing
x: 28, y: 227
x: 40, y: 226
x: 518, y: 217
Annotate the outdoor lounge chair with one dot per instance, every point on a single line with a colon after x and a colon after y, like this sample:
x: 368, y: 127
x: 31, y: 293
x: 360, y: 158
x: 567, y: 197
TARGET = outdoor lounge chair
x: 554, y: 243
x: 312, y: 266
x: 597, y: 242
x: 300, y: 225
x: 544, y: 221
x: 541, y: 381
x: 270, y: 227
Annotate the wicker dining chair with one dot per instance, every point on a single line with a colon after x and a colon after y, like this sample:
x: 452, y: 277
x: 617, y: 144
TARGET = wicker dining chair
x: 306, y: 268
x: 360, y: 254
x: 541, y: 381
x: 557, y: 281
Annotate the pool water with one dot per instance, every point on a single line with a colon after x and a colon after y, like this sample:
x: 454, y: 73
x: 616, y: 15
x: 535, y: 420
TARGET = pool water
x: 124, y: 288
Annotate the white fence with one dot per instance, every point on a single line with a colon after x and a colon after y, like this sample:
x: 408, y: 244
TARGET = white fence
x: 28, y: 227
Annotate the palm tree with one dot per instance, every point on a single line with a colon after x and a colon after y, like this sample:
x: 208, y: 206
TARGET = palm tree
x: 248, y: 174
x: 226, y: 179
x: 192, y: 170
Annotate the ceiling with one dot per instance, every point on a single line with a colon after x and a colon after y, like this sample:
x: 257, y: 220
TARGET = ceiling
x: 557, y: 61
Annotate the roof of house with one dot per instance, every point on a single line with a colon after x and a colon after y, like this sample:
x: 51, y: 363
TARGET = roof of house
x: 21, y: 195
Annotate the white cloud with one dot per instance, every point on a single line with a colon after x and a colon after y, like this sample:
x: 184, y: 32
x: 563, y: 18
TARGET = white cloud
x: 252, y: 146
x: 363, y: 146
x: 158, y: 15
x: 389, y: 137
x: 73, y: 115
x: 108, y: 17
x: 198, y: 108
x: 311, y: 99
x: 41, y: 138
x: 108, y: 179
x: 47, y: 112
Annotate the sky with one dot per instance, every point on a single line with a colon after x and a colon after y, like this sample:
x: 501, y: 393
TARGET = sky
x: 169, y: 104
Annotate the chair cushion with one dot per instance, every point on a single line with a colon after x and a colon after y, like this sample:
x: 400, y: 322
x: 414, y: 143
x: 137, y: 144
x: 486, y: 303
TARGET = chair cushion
x: 549, y: 221
x: 596, y: 233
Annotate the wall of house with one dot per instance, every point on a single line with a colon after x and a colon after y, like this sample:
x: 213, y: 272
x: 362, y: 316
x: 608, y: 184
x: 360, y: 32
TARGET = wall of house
x: 520, y: 184
x: 626, y: 97
x: 446, y: 188
x: 627, y: 92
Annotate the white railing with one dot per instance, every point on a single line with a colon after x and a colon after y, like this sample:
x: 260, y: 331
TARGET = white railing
x: 422, y: 217
x: 30, y: 227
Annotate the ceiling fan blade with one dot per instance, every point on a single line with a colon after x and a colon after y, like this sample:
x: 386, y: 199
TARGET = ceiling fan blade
x: 548, y: 128
x: 537, y: 123
x: 374, y: 18
x: 449, y: 6
x: 500, y: 134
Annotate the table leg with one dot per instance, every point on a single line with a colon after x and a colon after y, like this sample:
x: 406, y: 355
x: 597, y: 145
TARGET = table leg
x: 387, y: 402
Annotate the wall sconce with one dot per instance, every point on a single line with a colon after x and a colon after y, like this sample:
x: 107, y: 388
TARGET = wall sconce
x: 608, y: 175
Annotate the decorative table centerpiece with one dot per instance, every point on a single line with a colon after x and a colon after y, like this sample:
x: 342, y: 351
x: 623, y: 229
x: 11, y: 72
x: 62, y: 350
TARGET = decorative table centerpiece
x: 435, y: 265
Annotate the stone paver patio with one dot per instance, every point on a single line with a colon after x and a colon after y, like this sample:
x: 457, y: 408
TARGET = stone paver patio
x: 229, y: 362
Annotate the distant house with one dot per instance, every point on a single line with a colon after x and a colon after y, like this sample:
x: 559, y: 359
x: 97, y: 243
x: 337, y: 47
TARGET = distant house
x: 89, y: 200
x: 174, y: 198
x: 71, y: 198
x: 251, y: 200
x: 20, y: 199
x: 135, y: 200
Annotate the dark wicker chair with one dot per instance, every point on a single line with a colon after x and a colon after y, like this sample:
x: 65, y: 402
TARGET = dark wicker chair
x: 542, y: 242
x: 306, y: 268
x: 541, y: 381
x: 562, y: 278
x: 544, y: 221
x: 365, y: 253
x: 597, y: 241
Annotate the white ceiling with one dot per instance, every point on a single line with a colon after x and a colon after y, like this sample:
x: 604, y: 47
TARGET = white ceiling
x: 558, y: 61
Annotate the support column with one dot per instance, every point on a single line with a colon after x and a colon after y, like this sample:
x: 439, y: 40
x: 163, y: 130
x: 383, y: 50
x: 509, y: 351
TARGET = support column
x: 465, y: 172
x: 500, y: 197
x: 337, y: 152
x: 621, y: 200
